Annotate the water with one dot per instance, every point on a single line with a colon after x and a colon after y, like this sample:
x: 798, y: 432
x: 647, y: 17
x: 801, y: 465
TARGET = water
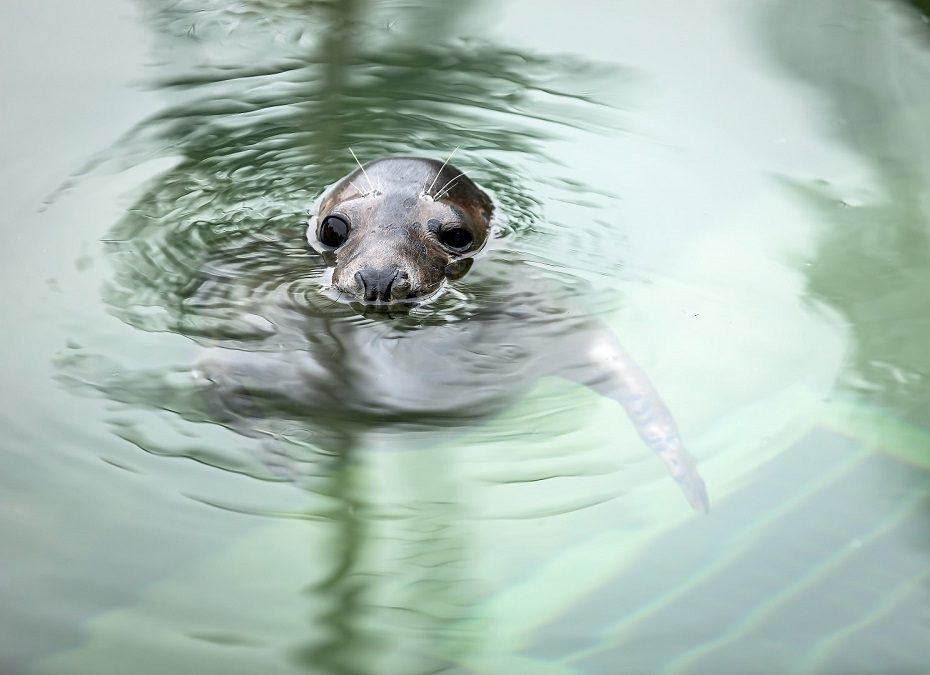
x: 737, y: 189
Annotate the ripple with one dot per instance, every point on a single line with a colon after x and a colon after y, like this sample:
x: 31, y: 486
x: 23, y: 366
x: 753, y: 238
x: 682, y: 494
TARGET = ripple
x: 213, y: 249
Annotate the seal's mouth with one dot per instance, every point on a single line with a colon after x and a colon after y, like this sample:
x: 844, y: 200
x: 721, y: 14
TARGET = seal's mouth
x: 355, y: 298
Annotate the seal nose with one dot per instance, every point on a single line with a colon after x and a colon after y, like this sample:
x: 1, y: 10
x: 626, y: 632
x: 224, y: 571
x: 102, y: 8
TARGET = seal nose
x: 377, y: 284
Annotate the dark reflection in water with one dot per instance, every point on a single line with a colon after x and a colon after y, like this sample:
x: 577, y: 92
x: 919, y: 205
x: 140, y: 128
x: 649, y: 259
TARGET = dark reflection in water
x: 872, y: 264
x: 401, y: 585
x: 214, y: 250
x: 923, y: 6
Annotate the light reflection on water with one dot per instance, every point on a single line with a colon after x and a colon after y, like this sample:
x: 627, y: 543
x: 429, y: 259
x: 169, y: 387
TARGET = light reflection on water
x: 542, y: 539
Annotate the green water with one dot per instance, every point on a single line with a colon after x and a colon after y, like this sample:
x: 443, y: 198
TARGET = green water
x: 738, y: 189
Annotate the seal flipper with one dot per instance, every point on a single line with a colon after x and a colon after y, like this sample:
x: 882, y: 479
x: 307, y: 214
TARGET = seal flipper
x: 606, y: 368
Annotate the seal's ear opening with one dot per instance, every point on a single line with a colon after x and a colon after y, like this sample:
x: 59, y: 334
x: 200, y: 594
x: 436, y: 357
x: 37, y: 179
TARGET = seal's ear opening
x: 456, y: 270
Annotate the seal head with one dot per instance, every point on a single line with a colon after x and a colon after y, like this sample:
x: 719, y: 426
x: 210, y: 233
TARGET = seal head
x: 396, y: 228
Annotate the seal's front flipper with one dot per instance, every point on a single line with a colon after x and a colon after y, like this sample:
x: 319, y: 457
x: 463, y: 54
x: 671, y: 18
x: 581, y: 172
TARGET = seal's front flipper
x: 603, y: 365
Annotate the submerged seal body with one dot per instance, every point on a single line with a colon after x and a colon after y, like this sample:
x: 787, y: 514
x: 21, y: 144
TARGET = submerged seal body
x: 392, y: 232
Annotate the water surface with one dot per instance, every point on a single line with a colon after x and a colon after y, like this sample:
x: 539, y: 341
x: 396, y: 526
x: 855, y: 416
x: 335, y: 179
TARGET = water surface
x: 737, y: 190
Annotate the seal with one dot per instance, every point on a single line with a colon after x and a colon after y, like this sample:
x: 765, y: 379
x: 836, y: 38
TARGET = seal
x: 398, y: 227
x: 393, y: 232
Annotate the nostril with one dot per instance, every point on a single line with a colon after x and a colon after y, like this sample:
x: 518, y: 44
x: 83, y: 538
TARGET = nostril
x: 376, y: 284
x: 385, y: 290
x: 401, y: 283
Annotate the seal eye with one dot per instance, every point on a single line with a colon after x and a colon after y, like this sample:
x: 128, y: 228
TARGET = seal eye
x: 457, y: 237
x: 333, y: 231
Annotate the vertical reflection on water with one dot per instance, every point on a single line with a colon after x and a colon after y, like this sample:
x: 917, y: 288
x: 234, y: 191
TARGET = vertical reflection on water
x: 873, y: 261
x: 401, y: 584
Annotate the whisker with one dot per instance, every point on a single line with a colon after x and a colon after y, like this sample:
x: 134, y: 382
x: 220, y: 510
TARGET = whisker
x: 448, y: 186
x: 436, y: 177
x: 364, y: 173
x: 358, y: 189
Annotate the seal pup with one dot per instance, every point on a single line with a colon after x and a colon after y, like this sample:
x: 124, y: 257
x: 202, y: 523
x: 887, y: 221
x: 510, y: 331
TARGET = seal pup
x: 393, y: 232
